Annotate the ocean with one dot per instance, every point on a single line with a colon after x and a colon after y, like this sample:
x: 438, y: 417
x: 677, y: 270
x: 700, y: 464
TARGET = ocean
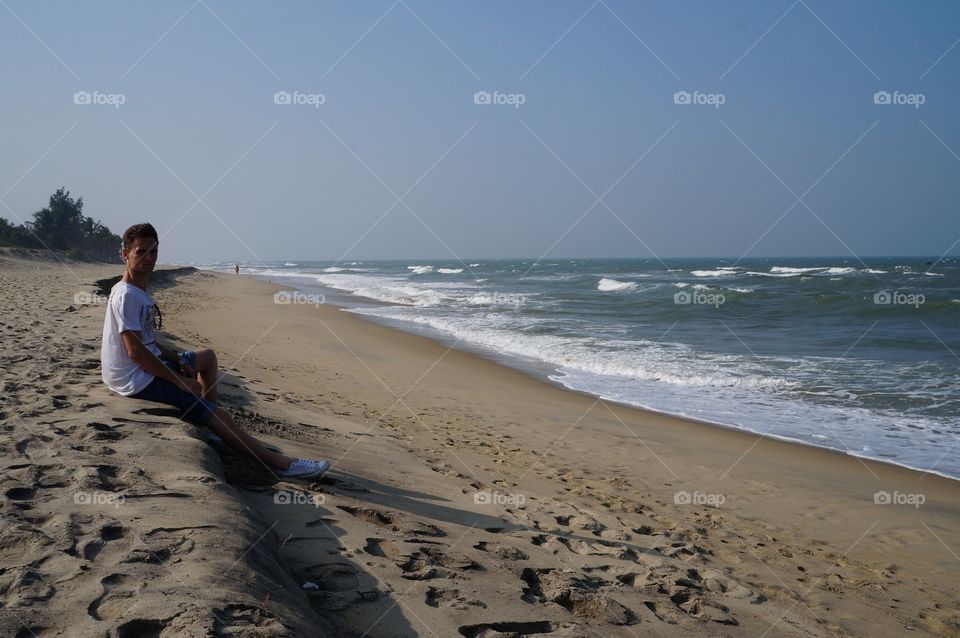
x: 860, y: 357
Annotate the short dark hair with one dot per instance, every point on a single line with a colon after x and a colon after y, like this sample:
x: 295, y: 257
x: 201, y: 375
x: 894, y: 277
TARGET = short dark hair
x: 139, y: 230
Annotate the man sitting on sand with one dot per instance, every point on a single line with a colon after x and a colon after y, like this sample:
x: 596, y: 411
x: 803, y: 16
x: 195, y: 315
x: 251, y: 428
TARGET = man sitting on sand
x: 135, y: 365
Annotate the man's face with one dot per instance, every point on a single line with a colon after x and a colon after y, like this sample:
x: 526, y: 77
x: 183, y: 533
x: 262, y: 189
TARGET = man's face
x: 142, y: 254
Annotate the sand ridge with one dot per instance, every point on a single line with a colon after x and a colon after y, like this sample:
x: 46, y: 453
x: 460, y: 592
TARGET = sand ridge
x: 116, y: 518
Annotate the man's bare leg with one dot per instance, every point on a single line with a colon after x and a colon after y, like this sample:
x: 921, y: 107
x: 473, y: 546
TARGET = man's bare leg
x: 233, y: 435
x: 207, y: 372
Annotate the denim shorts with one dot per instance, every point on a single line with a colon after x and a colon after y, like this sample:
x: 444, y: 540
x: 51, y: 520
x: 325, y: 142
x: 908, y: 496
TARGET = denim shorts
x: 193, y: 409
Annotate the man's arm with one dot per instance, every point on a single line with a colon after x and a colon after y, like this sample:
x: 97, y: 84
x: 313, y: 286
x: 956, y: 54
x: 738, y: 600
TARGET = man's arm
x: 144, y: 358
x: 167, y: 353
x: 173, y: 355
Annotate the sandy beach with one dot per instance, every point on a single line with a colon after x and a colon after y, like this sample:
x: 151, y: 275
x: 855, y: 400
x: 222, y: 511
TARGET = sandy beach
x: 465, y: 499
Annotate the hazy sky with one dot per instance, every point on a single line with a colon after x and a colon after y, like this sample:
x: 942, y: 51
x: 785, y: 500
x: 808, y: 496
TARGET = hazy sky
x: 787, y: 153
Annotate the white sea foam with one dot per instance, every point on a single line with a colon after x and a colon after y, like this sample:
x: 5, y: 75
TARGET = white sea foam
x: 675, y: 364
x: 450, y: 271
x: 785, y: 271
x: 420, y: 270
x: 773, y: 274
x: 333, y: 269
x: 474, y: 265
x: 789, y: 269
x: 723, y: 272
x: 389, y: 289
x: 272, y: 272
x: 612, y: 285
x: 291, y: 264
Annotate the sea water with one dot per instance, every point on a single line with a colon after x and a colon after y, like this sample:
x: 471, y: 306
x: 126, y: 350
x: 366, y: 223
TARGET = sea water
x: 862, y: 356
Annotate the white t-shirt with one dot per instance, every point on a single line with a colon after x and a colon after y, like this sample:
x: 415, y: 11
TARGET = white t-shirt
x: 129, y: 308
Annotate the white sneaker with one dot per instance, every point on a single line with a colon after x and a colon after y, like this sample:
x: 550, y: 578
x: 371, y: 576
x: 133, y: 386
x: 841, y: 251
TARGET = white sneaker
x: 305, y: 468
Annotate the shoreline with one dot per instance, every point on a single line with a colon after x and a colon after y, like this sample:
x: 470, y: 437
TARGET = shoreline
x: 507, y: 360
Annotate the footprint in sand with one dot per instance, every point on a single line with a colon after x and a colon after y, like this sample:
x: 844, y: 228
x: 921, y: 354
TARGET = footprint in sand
x: 25, y: 587
x: 507, y: 628
x: 382, y: 548
x: 32, y: 443
x: 96, y: 431
x: 163, y: 546
x: 501, y: 551
x: 428, y: 563
x: 104, y: 544
x: 119, y: 594
x: 687, y: 591
x: 436, y: 597
x: 392, y: 521
x: 238, y: 618
x: 583, y: 596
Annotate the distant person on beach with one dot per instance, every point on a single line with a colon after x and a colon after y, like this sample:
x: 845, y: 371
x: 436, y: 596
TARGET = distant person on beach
x: 135, y: 365
x: 236, y: 269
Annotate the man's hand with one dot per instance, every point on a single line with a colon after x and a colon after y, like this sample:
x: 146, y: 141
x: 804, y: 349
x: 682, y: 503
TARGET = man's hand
x: 190, y: 385
x: 147, y: 360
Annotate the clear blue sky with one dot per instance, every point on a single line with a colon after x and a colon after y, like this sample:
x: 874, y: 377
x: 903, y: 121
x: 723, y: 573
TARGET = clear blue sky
x: 290, y: 181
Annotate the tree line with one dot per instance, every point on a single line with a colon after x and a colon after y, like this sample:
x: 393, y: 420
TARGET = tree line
x: 63, y: 227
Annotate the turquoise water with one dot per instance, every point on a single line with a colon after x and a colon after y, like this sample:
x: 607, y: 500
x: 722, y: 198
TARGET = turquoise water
x: 856, y: 356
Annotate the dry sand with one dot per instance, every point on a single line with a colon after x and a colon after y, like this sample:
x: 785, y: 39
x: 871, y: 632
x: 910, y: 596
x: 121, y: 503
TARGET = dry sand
x: 466, y: 499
